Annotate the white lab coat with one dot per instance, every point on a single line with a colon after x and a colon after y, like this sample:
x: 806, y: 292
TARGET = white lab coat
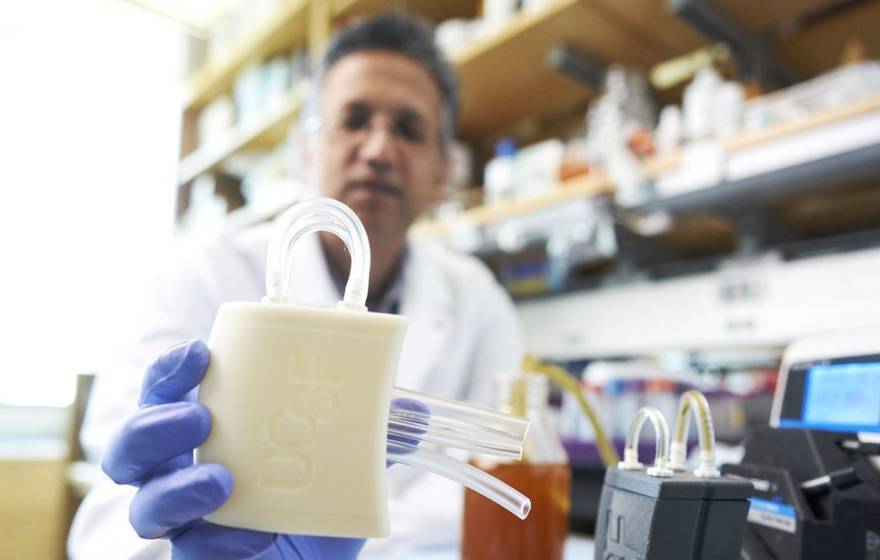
x: 462, y: 331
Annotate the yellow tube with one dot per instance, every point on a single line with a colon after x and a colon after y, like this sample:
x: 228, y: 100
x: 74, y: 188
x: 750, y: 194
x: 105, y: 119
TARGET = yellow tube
x: 562, y: 378
x: 694, y: 401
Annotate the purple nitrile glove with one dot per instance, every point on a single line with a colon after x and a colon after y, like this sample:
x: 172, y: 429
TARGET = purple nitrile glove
x: 153, y: 450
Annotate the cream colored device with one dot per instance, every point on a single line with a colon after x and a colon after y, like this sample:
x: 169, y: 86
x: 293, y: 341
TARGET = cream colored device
x: 304, y: 395
x: 300, y: 396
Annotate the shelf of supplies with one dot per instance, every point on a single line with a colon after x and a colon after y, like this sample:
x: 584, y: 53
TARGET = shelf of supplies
x: 277, y: 33
x: 264, y: 133
x: 506, y: 80
x: 662, y: 164
x: 573, y: 189
x: 432, y: 10
x: 832, y: 148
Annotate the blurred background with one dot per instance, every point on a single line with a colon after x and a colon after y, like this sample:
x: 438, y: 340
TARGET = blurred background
x: 671, y: 190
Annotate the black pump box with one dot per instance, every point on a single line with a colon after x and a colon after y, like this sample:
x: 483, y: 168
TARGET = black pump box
x: 679, y: 518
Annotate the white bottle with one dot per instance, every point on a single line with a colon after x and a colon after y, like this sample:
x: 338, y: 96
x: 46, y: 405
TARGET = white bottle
x: 728, y: 109
x: 669, y: 130
x: 500, y: 179
x: 699, y: 99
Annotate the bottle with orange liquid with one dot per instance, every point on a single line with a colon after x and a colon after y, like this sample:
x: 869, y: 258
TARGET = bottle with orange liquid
x: 543, y: 475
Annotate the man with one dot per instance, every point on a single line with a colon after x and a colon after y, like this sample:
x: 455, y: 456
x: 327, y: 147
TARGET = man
x: 380, y: 130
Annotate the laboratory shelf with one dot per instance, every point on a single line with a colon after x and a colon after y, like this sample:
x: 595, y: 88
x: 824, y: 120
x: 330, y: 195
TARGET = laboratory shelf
x: 832, y: 148
x: 567, y: 191
x: 506, y: 80
x: 261, y: 134
x: 789, y: 299
x: 432, y: 10
x: 287, y: 28
x: 507, y: 85
x: 660, y: 164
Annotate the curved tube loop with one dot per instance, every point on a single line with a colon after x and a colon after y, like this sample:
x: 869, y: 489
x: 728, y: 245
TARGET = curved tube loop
x: 318, y: 214
x: 631, y: 451
x: 694, y: 401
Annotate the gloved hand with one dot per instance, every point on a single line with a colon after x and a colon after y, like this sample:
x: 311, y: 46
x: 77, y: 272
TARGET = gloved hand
x: 153, y: 450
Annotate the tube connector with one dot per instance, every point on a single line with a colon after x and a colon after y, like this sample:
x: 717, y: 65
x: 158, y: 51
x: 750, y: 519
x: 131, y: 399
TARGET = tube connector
x: 630, y: 461
x: 677, y: 456
x: 707, y: 468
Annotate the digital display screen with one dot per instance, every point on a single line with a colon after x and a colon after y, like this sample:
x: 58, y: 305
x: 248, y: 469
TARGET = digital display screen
x: 838, y: 395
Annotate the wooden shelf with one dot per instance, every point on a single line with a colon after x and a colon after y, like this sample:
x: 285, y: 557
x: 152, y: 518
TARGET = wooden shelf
x: 432, y: 10
x: 262, y: 134
x: 658, y: 165
x: 573, y: 189
x: 280, y: 32
x: 507, y: 86
x: 833, y: 151
x: 506, y: 80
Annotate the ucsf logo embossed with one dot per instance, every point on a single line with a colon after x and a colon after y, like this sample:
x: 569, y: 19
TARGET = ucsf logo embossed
x: 312, y: 399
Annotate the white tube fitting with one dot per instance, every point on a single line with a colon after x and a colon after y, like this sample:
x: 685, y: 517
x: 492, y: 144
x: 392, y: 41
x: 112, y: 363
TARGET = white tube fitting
x: 630, y: 461
x: 677, y: 456
x: 707, y: 467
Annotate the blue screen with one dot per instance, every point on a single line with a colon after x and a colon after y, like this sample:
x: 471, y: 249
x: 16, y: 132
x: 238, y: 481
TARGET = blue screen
x: 840, y: 397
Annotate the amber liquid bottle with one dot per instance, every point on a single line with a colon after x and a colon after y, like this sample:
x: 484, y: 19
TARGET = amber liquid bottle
x: 492, y: 533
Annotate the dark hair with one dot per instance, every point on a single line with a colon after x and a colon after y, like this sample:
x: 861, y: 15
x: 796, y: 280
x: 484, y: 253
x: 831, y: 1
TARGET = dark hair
x: 397, y: 33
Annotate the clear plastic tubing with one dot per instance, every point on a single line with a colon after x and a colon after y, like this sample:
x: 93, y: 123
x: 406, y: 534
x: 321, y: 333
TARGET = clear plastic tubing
x: 447, y: 423
x: 661, y: 431
x: 694, y: 401
x: 477, y: 420
x: 453, y: 428
x: 418, y: 432
x: 319, y: 214
x: 475, y: 479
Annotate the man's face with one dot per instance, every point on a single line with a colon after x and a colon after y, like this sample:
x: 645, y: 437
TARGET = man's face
x: 379, y: 147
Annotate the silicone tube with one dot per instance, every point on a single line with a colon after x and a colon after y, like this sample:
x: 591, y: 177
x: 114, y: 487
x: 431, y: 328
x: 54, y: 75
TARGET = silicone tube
x: 630, y: 461
x: 694, y: 401
x: 561, y: 377
x: 319, y: 214
x: 475, y: 479
x: 466, y: 417
x: 418, y: 431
